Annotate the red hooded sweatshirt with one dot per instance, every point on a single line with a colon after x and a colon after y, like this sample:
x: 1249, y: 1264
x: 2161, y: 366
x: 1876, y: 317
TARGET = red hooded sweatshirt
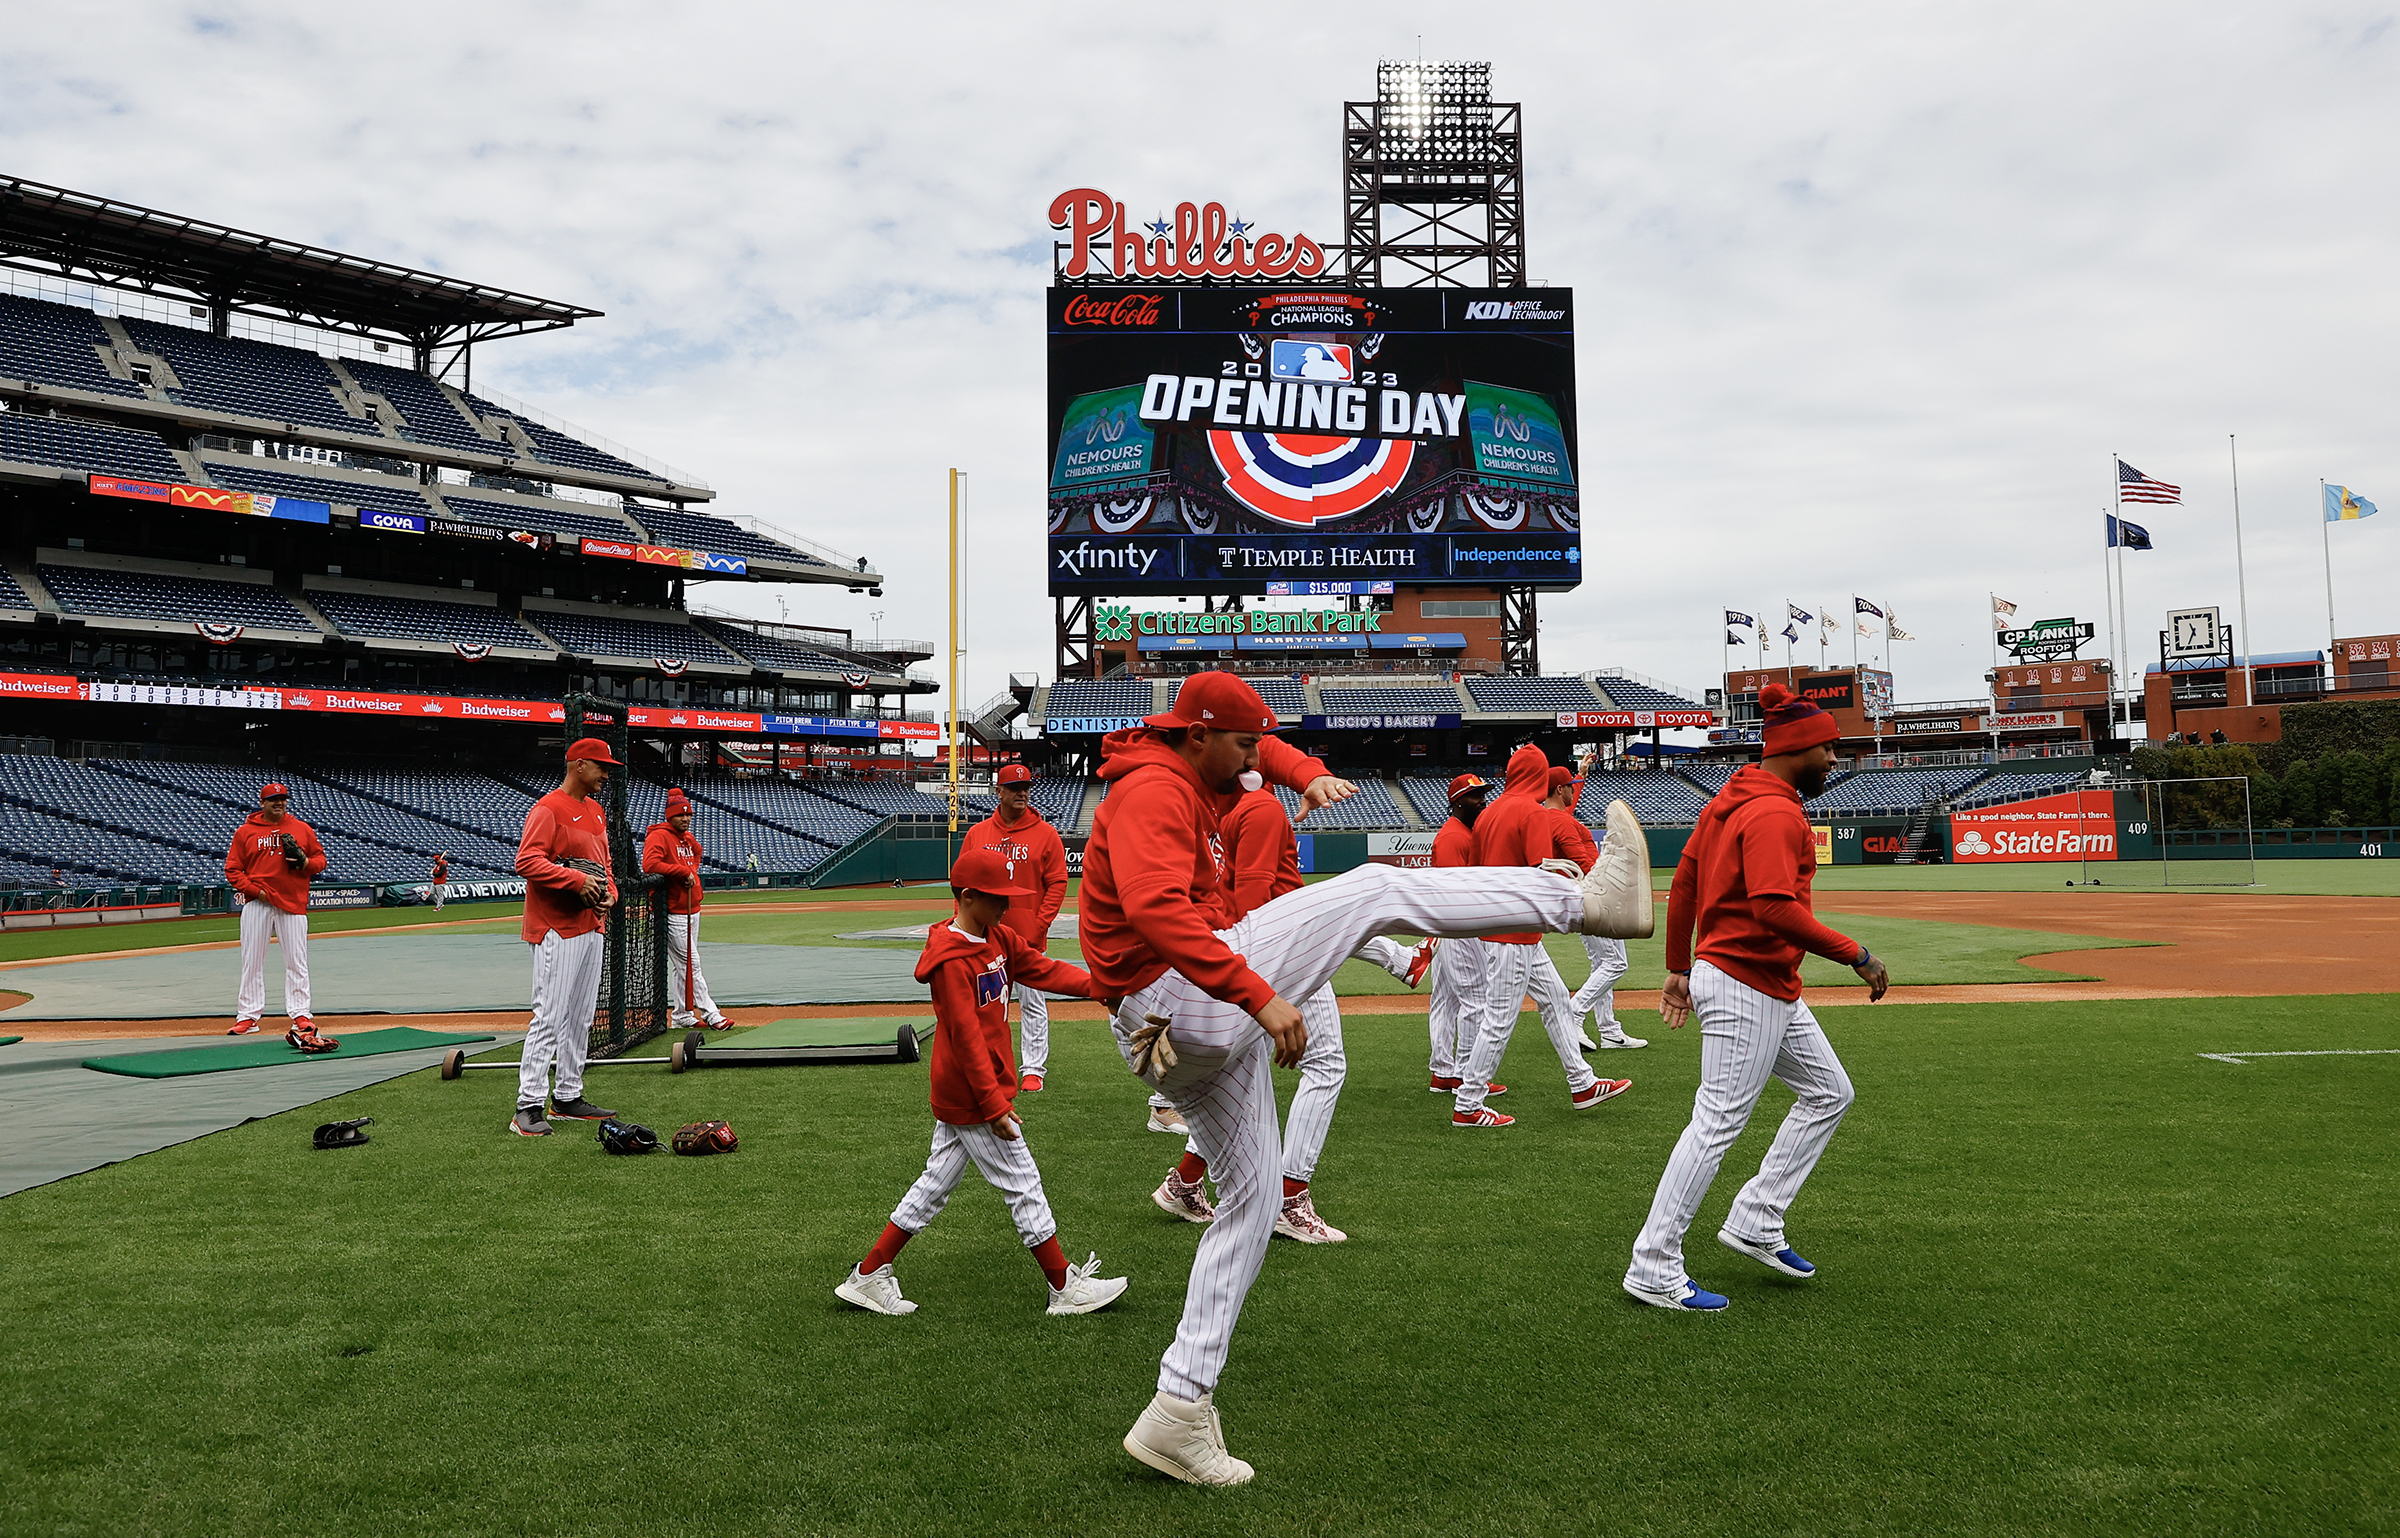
x: 1042, y: 861
x: 1572, y: 838
x: 1261, y: 851
x: 1745, y: 878
x: 1453, y: 845
x: 973, y: 1072
x: 1154, y: 873
x: 1515, y: 828
x: 666, y: 852
x: 254, y: 861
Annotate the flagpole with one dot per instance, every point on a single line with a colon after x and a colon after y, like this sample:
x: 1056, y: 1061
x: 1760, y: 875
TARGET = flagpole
x: 2241, y: 580
x: 2110, y: 533
x: 1853, y: 640
x: 2116, y: 490
x: 2127, y: 622
x: 2325, y: 538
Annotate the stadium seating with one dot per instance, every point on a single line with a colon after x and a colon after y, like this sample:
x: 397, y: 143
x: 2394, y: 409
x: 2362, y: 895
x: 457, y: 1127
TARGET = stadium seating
x: 56, y: 344
x: 1060, y: 801
x: 1372, y: 807
x: 2012, y: 786
x: 72, y: 445
x: 593, y: 635
x: 1633, y: 696
x: 698, y: 531
x: 492, y: 807
x: 1342, y: 702
x: 91, y: 824
x: 12, y: 593
x: 771, y: 651
x: 556, y: 448
x: 1896, y: 790
x: 1072, y: 698
x: 419, y: 619
x: 1709, y: 777
x: 1284, y: 696
x: 387, y: 496
x: 782, y: 802
x: 1430, y: 797
x: 430, y: 416
x: 1526, y: 695
x: 146, y: 595
x: 899, y: 798
x: 252, y: 379
x: 1655, y: 796
x: 558, y: 520
x: 375, y: 842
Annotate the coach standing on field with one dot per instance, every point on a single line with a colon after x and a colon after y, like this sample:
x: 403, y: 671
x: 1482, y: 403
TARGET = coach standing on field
x: 269, y: 863
x: 1744, y: 881
x: 564, y: 915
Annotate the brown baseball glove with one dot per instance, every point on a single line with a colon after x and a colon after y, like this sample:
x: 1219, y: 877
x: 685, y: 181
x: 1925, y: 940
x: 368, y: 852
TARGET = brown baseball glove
x: 291, y: 852
x: 589, y: 868
x: 705, y: 1137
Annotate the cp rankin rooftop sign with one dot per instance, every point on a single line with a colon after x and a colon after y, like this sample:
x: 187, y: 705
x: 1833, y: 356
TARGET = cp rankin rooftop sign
x: 1202, y: 242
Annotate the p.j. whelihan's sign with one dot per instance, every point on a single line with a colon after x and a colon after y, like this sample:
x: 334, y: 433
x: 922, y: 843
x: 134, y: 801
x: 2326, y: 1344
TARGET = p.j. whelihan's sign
x: 1202, y: 241
x: 1113, y: 622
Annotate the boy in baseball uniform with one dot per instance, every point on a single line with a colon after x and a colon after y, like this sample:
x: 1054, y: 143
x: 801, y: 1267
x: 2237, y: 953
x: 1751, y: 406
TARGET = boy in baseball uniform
x: 1743, y: 884
x: 1022, y: 834
x: 970, y: 962
x: 269, y: 864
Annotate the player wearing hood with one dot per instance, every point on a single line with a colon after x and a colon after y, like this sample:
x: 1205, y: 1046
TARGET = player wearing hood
x: 1021, y: 834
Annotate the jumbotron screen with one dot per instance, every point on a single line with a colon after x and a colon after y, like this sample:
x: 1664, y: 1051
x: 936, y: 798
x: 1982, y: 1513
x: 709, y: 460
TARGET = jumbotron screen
x: 1219, y: 439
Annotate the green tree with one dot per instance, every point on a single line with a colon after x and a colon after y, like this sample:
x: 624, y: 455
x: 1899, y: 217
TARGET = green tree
x: 2302, y: 802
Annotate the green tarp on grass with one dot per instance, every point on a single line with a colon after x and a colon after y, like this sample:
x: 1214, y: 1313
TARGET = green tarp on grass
x: 272, y: 1052
x: 848, y: 1031
x: 7, y: 1041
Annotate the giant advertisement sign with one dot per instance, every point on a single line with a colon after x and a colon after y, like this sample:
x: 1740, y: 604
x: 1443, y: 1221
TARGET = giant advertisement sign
x: 1219, y: 439
x: 2080, y: 825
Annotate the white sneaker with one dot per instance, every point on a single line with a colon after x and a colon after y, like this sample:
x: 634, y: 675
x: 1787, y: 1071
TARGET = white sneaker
x: 1297, y: 1219
x: 1622, y: 1040
x: 876, y: 1291
x: 1183, y: 1437
x: 1084, y: 1292
x: 1617, y: 900
x: 1583, y: 1040
x: 1165, y: 1118
x: 1188, y: 1201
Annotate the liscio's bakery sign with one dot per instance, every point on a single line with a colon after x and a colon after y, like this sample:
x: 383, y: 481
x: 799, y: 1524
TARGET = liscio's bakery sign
x: 1201, y: 241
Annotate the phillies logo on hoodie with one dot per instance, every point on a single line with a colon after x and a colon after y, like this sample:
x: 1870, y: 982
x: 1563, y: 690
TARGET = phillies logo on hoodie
x: 991, y: 984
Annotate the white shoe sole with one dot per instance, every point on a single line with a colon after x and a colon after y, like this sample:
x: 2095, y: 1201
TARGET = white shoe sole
x: 1167, y: 1465
x: 1765, y: 1257
x: 1587, y: 1045
x: 1157, y: 1126
x: 1101, y: 1295
x: 866, y: 1300
x: 1623, y: 1043
x: 1329, y: 1236
x: 1672, y: 1301
x: 1165, y: 1205
x: 1603, y: 1098
x: 1619, y: 883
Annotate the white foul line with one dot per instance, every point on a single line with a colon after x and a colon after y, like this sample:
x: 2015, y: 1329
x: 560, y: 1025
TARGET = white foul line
x: 2242, y: 1059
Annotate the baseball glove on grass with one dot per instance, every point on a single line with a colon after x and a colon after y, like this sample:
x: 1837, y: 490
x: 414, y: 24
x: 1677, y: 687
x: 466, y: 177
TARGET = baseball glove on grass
x: 705, y: 1137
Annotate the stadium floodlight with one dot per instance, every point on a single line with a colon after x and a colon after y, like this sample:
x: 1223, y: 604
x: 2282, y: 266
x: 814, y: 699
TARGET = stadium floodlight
x: 1434, y: 112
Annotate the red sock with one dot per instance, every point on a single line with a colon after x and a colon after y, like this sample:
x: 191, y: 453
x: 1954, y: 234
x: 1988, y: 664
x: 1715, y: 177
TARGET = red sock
x: 1192, y: 1170
x: 1052, y: 1260
x: 886, y: 1248
x: 1292, y: 1188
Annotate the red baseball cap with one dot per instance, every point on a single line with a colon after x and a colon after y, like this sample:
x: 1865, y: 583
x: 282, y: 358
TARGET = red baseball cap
x: 1467, y: 782
x: 1217, y: 700
x: 1561, y: 775
x: 1015, y: 774
x: 589, y: 747
x: 987, y: 871
x: 273, y: 788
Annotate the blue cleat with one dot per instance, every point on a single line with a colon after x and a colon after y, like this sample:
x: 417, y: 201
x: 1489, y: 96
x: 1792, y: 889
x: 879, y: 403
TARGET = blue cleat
x: 1688, y: 1296
x: 1771, y: 1253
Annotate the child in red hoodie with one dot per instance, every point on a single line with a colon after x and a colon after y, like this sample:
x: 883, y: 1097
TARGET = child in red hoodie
x: 970, y: 963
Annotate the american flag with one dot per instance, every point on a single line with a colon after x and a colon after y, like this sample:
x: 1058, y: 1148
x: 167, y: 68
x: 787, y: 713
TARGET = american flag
x: 2133, y: 486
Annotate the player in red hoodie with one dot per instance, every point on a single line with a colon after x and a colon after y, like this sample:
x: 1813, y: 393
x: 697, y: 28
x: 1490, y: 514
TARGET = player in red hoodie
x: 1744, y: 883
x: 274, y: 892
x: 669, y: 850
x: 1204, y: 997
x: 1020, y: 834
x: 1518, y: 828
x: 969, y: 962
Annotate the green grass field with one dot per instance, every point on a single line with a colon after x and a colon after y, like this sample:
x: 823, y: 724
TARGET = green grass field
x: 2074, y: 1278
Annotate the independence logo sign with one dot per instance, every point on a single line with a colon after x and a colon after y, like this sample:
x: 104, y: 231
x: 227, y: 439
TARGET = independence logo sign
x: 1102, y: 439
x: 1516, y: 434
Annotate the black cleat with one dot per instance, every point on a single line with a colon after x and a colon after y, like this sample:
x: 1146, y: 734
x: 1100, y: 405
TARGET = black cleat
x: 579, y: 1109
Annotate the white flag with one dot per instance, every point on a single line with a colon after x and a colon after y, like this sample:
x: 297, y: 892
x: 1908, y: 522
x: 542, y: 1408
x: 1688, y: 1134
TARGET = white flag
x: 2003, y: 606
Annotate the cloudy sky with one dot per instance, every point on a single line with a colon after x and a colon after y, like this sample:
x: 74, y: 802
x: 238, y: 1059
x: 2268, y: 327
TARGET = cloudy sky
x: 1868, y: 294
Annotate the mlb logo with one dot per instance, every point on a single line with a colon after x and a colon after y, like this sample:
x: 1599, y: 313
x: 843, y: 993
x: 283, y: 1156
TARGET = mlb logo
x: 1321, y: 362
x: 991, y: 986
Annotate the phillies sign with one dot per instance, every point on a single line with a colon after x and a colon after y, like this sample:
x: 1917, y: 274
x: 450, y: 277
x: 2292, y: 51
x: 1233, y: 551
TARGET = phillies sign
x: 1202, y: 242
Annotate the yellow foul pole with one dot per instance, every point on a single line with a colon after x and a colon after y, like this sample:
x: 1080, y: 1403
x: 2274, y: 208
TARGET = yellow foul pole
x: 954, y: 480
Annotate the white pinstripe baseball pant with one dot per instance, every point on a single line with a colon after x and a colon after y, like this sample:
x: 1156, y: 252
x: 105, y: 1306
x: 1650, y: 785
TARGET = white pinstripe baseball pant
x: 1323, y: 1067
x: 1223, y: 1081
x: 260, y: 920
x: 1033, y: 1030
x: 1461, y: 979
x: 1515, y: 970
x: 683, y: 932
x: 1598, y: 995
x: 1745, y: 1037
x: 566, y: 994
x: 1007, y: 1164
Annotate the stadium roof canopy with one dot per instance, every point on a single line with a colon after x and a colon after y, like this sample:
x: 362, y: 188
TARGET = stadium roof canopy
x: 97, y: 240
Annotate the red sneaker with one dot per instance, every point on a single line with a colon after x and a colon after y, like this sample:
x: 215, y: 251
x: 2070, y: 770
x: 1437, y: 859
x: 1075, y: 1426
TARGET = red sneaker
x: 1497, y: 1088
x: 244, y: 1028
x: 1481, y: 1116
x: 1031, y: 1084
x: 1440, y: 1085
x: 1420, y: 959
x: 1602, y: 1089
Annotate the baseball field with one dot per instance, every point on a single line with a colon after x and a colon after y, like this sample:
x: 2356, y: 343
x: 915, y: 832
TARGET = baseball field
x: 2105, y: 1245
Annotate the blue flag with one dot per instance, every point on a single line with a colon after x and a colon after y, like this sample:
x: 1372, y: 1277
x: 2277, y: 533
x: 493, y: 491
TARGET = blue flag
x: 2131, y: 535
x: 1735, y: 617
x: 2342, y: 504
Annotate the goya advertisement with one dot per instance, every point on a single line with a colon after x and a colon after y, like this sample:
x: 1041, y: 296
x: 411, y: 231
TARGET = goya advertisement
x: 1218, y: 439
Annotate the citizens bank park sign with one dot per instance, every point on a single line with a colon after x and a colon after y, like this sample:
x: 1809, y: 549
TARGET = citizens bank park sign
x: 1640, y: 719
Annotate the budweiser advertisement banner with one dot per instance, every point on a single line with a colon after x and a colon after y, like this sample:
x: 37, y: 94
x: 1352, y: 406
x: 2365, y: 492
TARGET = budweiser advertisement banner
x: 2080, y: 825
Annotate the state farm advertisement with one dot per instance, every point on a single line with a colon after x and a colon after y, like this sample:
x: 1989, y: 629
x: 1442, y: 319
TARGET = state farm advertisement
x: 2080, y: 825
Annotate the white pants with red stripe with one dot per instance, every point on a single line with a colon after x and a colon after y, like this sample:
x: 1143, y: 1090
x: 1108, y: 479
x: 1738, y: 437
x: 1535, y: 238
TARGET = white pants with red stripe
x: 566, y: 994
x: 1006, y: 1163
x: 1746, y: 1037
x: 1461, y: 979
x: 1598, y: 995
x: 262, y: 920
x: 683, y: 966
x: 1515, y: 971
x: 1223, y: 1080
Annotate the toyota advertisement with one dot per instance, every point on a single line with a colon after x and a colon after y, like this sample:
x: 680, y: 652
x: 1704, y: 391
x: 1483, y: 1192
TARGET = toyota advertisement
x: 1219, y: 439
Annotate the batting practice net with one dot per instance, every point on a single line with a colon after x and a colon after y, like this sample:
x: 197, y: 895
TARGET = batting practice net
x: 633, y: 971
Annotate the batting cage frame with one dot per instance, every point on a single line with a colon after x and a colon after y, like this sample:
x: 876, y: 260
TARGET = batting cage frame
x: 633, y: 969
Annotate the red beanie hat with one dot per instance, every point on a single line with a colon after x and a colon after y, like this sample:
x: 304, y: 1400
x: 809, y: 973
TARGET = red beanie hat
x: 1794, y: 725
x: 677, y: 803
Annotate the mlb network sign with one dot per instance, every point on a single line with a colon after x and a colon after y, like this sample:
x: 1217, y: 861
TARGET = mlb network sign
x: 2081, y: 825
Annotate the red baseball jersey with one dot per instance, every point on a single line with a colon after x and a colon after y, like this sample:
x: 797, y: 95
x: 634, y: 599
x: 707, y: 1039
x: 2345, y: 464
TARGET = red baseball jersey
x: 561, y: 827
x: 254, y: 861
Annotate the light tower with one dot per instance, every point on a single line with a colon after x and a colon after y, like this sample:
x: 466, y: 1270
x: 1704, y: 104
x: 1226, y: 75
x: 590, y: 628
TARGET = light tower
x: 1433, y: 188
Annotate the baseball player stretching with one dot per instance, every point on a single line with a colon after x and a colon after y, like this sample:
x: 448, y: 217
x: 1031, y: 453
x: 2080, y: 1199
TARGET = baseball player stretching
x: 564, y: 912
x: 669, y: 850
x: 969, y: 963
x: 1020, y: 834
x: 1517, y: 829
x: 1609, y: 964
x: 1203, y: 1009
x: 269, y: 862
x: 1262, y: 856
x: 1460, y: 968
x: 1744, y: 881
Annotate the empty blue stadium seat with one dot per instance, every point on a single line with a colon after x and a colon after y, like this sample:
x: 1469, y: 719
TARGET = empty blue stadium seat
x: 1632, y: 696
x: 554, y: 447
x: 86, y: 446
x: 146, y: 595
x: 1372, y: 807
x: 12, y: 593
x: 430, y: 417
x: 592, y: 635
x: 1060, y: 801
x: 558, y: 520
x: 1655, y: 796
x: 771, y: 651
x: 389, y: 494
x: 417, y: 619
x: 56, y: 344
x: 1343, y: 702
x: 2013, y: 785
x: 1083, y: 698
x: 252, y: 379
x: 1892, y: 790
x: 698, y: 531
x: 1284, y: 696
x: 1526, y: 695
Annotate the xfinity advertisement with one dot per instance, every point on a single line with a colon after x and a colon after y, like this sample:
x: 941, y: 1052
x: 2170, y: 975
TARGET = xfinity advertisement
x: 1225, y: 438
